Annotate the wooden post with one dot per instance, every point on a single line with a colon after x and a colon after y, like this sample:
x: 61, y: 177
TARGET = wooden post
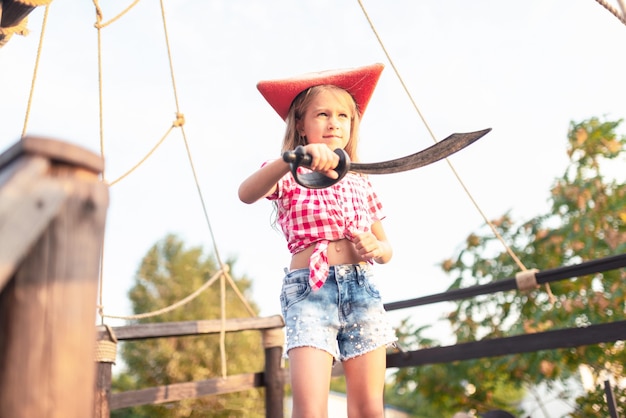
x: 104, y: 375
x: 106, y: 353
x: 274, y: 377
x: 610, y: 399
x: 47, y: 306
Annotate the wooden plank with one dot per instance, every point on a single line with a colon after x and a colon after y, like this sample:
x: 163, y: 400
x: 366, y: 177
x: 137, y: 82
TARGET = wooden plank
x: 549, y: 340
x: 47, y: 311
x: 454, y: 294
x: 28, y: 203
x: 189, y: 390
x: 54, y: 150
x: 187, y: 328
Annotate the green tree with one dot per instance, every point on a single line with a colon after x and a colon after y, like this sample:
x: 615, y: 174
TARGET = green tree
x: 586, y: 221
x: 169, y: 273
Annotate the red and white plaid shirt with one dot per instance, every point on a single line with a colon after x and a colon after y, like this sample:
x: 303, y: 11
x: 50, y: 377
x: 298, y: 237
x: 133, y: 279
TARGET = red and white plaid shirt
x: 318, y: 216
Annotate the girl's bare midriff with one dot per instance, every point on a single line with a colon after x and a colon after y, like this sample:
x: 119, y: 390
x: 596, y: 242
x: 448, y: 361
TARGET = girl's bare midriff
x: 339, y: 252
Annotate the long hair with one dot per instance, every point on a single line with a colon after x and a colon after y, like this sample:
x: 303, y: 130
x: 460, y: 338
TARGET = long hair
x: 297, y: 110
x: 299, y: 107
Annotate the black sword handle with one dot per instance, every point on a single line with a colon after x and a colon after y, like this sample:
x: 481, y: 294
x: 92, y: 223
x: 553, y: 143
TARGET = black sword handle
x: 315, y: 180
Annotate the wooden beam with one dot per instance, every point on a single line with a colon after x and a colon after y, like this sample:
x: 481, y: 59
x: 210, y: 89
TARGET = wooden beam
x: 189, y: 390
x: 187, y: 328
x: 546, y: 276
x: 55, y: 151
x: 28, y: 203
x: 549, y: 340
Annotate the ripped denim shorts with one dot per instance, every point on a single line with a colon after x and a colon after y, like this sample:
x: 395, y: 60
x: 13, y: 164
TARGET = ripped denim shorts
x: 345, y: 317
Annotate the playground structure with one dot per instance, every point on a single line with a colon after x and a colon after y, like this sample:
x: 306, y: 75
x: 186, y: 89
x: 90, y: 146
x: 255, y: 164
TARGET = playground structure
x: 53, y: 208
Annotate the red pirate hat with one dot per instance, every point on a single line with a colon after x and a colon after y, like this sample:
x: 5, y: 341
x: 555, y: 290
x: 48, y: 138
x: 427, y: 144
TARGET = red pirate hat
x: 359, y: 82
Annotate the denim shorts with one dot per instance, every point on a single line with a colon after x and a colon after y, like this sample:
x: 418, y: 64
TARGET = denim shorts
x: 345, y: 317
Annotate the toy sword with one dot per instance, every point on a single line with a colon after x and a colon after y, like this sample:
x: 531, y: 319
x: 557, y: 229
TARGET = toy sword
x: 439, y: 151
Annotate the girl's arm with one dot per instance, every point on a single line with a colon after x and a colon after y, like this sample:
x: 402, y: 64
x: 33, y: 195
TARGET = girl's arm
x: 263, y: 182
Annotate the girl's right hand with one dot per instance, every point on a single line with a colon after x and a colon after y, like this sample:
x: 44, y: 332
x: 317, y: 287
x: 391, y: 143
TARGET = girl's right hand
x: 323, y: 159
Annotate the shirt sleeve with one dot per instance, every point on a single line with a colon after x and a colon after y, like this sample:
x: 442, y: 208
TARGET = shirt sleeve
x: 280, y: 185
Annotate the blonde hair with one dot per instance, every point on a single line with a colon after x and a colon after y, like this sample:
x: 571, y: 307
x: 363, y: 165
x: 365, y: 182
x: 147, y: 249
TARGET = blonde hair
x: 299, y: 107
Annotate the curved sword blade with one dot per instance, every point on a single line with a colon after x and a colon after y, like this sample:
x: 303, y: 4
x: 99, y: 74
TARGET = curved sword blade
x: 436, y: 152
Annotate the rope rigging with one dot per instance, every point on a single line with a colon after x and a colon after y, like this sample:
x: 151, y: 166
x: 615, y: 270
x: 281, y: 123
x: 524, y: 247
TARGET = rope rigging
x: 177, y: 123
x: 223, y: 273
x: 613, y: 10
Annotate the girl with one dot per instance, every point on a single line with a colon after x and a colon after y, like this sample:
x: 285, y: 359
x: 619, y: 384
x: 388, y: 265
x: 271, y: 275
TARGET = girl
x: 332, y: 309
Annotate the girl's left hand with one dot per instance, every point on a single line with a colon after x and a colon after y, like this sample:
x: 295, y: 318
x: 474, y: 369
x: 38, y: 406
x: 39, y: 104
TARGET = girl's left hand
x: 367, y: 246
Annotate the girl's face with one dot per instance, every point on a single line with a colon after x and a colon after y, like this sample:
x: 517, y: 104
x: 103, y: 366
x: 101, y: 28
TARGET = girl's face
x: 327, y: 120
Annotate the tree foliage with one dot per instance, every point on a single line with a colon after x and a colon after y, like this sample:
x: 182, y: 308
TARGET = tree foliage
x: 169, y: 273
x: 586, y: 221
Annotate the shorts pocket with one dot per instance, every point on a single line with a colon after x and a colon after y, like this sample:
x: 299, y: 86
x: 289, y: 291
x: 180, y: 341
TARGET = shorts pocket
x: 293, y: 292
x: 370, y: 285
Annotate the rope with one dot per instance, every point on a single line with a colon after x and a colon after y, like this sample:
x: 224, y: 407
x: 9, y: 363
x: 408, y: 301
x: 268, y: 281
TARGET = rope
x: 100, y: 90
x: 175, y: 305
x: 613, y: 10
x: 395, y: 69
x: 106, y: 350
x: 224, y: 271
x: 32, y: 84
x: 169, y: 56
x: 526, y: 280
x: 101, y: 134
x: 454, y: 171
x: 233, y: 285
x: 100, y: 25
x: 144, y: 159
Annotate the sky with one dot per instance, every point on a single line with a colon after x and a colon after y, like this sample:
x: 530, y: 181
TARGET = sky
x: 525, y: 69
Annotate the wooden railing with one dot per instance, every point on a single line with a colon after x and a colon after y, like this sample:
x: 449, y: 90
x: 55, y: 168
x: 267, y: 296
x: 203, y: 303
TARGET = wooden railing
x: 548, y: 340
x: 272, y: 378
